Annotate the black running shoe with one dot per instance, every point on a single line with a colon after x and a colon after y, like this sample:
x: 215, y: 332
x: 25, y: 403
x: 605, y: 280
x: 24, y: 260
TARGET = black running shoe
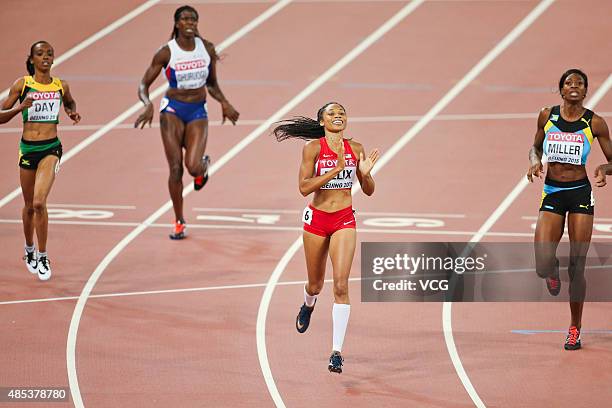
x: 572, y: 341
x: 303, y: 318
x: 335, y: 363
x: 200, y: 181
x: 553, y: 283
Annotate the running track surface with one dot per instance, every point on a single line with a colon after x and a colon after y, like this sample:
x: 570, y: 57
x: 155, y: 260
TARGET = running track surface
x: 193, y: 343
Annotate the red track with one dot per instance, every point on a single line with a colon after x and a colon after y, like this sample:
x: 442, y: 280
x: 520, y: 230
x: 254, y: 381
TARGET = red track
x: 198, y: 348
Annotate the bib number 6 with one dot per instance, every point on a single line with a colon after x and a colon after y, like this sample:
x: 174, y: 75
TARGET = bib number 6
x: 307, y: 215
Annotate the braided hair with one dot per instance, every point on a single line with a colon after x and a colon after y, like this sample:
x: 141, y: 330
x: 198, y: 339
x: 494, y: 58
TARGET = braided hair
x: 29, y: 64
x: 301, y: 127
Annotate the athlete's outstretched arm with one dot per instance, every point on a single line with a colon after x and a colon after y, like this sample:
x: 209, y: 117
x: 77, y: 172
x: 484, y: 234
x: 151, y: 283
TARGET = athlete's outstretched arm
x: 365, y: 167
x: 600, y: 129
x: 70, y: 104
x: 307, y: 181
x: 8, y: 112
x: 535, y: 153
x: 160, y: 60
x: 212, y: 84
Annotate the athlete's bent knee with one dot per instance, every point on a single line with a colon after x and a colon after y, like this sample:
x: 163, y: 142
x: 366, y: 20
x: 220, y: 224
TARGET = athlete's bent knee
x: 547, y: 267
x: 194, y: 169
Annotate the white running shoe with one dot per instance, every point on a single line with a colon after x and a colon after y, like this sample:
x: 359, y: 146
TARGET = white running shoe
x: 44, y: 268
x: 31, y: 261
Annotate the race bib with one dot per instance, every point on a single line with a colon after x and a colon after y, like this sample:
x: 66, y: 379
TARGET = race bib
x: 562, y: 147
x: 345, y: 178
x: 191, y: 74
x: 45, y: 106
x: 307, y: 215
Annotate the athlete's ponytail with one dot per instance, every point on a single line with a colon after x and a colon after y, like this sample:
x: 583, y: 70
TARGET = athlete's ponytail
x: 301, y: 127
x: 570, y: 72
x: 29, y: 64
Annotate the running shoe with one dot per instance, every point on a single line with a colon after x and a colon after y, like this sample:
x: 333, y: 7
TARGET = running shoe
x: 179, y: 230
x: 572, y: 341
x: 303, y: 318
x: 31, y: 261
x: 335, y: 363
x: 200, y: 181
x: 553, y: 283
x: 44, y: 268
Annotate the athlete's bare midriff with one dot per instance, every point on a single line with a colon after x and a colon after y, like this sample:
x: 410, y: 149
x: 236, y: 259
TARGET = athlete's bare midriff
x: 39, y: 131
x: 332, y: 200
x: 187, y: 95
x: 565, y: 172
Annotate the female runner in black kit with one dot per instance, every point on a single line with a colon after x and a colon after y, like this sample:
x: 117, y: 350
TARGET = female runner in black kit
x: 565, y: 134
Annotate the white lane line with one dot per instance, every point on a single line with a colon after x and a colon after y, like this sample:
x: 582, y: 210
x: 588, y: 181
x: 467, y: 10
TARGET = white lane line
x: 414, y: 130
x: 600, y: 93
x: 290, y: 228
x: 482, y: 231
x: 356, y: 119
x: 247, y: 210
x: 287, y: 211
x: 596, y: 219
x: 91, y: 282
x: 94, y: 206
x: 161, y: 292
x: 231, y: 287
x: 97, y: 36
x: 153, y: 95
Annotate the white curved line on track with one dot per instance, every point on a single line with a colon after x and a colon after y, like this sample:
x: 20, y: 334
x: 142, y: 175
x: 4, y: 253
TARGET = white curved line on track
x: 91, y: 282
x: 95, y: 37
x: 397, y: 146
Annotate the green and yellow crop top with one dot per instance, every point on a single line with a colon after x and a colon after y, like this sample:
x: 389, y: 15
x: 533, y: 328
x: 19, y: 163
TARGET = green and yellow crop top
x: 47, y: 100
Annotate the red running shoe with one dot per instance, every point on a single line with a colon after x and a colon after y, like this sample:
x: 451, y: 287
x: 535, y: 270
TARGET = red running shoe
x: 553, y: 283
x: 179, y: 230
x: 572, y: 341
x: 201, y: 181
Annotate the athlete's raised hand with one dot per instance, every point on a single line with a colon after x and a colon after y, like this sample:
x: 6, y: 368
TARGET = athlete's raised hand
x: 536, y: 170
x: 600, y: 176
x: 366, y: 165
x: 145, y: 117
x: 341, y: 160
x: 229, y: 112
